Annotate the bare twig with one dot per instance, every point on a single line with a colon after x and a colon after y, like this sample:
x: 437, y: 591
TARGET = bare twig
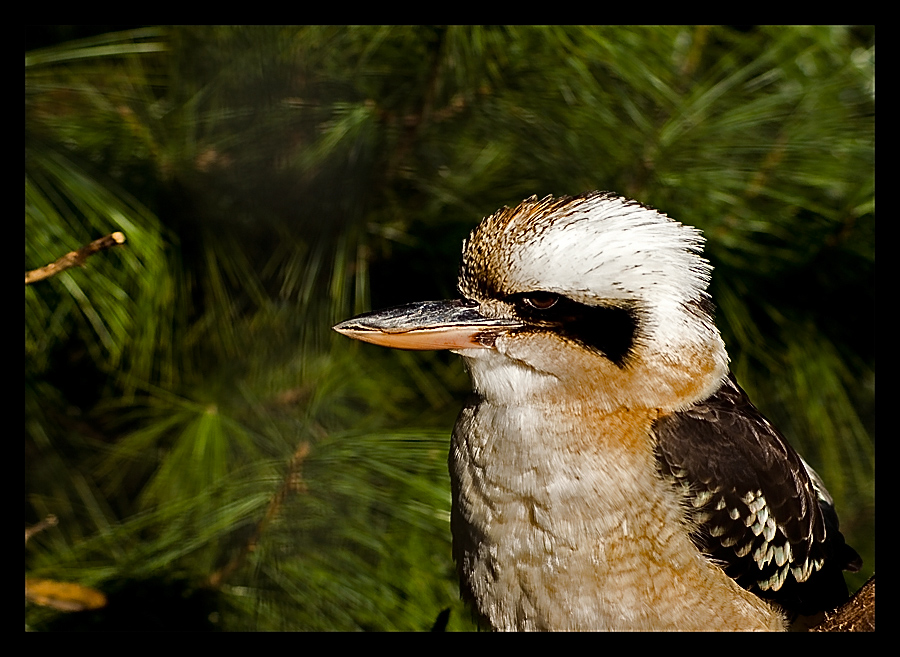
x: 293, y: 483
x: 49, y: 521
x: 75, y: 258
x: 856, y: 615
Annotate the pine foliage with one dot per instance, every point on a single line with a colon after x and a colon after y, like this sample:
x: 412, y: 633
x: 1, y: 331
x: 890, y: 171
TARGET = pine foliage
x: 216, y: 457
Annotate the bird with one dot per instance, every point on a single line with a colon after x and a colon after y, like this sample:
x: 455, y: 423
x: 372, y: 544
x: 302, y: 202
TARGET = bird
x: 608, y: 472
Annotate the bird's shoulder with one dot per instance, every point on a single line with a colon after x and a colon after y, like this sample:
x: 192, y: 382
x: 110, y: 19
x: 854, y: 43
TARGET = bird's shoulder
x: 758, y: 510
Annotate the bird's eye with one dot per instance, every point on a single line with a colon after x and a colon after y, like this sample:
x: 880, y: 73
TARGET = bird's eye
x: 541, y: 300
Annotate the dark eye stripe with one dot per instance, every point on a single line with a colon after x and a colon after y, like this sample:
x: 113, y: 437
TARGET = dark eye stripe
x: 609, y: 329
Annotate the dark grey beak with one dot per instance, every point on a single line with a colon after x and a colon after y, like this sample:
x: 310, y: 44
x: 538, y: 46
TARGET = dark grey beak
x: 426, y: 325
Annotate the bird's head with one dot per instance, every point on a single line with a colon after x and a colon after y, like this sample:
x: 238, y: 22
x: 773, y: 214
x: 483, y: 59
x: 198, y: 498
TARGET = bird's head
x: 592, y: 297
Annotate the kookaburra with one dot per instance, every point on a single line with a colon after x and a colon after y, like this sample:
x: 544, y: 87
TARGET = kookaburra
x: 608, y: 473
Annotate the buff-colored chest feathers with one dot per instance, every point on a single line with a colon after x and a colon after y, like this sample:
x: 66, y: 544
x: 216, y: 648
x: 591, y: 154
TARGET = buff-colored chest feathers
x: 561, y: 523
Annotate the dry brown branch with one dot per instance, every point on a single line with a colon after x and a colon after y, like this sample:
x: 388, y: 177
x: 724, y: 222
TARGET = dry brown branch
x: 856, y: 615
x: 49, y: 521
x: 293, y: 483
x: 74, y: 258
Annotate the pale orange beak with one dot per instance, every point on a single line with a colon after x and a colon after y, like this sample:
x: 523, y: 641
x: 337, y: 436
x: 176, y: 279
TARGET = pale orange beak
x: 427, y: 325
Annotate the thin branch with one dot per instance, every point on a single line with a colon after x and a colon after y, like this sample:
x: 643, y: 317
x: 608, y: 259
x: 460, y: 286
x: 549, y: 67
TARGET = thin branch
x: 293, y: 483
x: 856, y: 615
x: 49, y: 521
x: 74, y: 258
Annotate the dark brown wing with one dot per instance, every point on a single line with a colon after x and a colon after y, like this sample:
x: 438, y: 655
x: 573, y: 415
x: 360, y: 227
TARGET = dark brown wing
x: 760, y: 511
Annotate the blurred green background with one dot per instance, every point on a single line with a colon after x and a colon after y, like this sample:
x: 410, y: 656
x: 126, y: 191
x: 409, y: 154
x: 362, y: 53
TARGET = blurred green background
x: 216, y: 457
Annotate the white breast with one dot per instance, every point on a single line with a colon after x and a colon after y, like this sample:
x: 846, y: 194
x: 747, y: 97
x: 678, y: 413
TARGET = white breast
x: 560, y: 524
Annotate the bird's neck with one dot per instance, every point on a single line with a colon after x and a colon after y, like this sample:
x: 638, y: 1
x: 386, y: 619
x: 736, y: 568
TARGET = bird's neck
x: 561, y: 521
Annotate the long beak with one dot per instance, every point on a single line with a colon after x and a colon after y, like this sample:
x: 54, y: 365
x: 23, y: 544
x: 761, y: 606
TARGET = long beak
x: 426, y: 325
